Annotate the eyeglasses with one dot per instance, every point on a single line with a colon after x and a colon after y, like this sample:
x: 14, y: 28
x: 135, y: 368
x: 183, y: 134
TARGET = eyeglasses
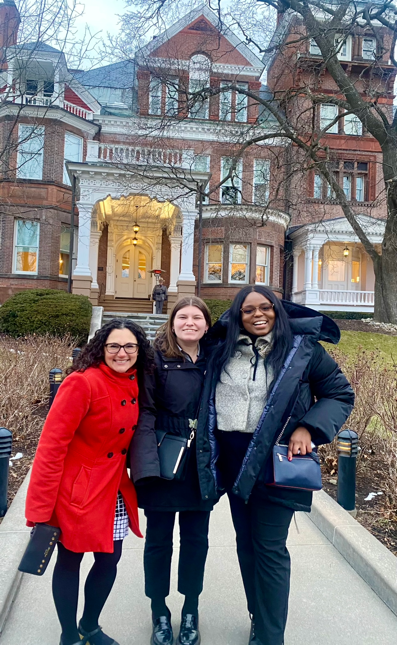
x: 250, y: 311
x: 129, y: 348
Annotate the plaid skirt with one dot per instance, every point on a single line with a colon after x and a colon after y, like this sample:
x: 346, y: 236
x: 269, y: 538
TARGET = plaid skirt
x: 121, y: 521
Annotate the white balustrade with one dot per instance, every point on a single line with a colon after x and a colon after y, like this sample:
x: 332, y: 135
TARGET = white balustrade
x: 116, y: 153
x: 78, y: 111
x: 328, y: 297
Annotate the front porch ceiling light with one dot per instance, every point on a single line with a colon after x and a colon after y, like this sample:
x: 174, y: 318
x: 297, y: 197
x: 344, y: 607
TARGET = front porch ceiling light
x: 320, y: 262
x: 135, y: 241
x: 346, y: 251
x: 136, y: 228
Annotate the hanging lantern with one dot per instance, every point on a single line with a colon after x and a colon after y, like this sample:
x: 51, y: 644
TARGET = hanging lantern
x: 346, y: 251
x: 135, y: 241
x: 136, y: 228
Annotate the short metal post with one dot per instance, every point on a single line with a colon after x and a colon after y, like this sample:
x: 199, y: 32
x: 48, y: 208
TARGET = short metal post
x: 347, y: 444
x: 55, y: 381
x: 76, y: 353
x: 5, y: 454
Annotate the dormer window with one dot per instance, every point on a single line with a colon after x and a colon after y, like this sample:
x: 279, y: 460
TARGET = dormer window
x: 48, y: 88
x: 199, y: 79
x: 32, y: 87
x: 369, y: 48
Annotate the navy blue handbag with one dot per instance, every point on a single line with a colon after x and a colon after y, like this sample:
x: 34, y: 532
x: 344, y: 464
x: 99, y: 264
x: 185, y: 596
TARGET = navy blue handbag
x: 302, y: 473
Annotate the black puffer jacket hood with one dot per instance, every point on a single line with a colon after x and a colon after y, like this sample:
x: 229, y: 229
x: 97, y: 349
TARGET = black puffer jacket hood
x: 303, y: 320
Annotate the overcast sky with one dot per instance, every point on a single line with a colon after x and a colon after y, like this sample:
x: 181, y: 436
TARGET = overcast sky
x: 101, y: 15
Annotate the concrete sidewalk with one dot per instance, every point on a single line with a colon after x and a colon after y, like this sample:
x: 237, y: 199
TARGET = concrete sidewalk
x: 330, y: 604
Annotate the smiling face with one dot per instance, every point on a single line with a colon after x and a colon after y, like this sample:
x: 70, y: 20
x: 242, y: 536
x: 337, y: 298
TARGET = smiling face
x: 189, y: 325
x: 120, y: 362
x: 257, y: 315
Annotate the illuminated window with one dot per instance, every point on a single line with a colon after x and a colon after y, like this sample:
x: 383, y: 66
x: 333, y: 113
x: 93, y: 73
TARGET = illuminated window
x: 125, y: 265
x: 262, y: 264
x: 238, y: 263
x: 26, y: 251
x: 213, y: 262
x: 64, y: 252
x: 141, y: 266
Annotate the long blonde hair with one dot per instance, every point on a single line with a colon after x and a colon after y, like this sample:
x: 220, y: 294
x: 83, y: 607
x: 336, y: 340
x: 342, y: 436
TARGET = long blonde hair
x: 165, y: 340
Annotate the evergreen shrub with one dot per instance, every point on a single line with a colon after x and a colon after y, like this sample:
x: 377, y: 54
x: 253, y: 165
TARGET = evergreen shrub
x: 46, y: 311
x: 217, y: 307
x: 346, y: 315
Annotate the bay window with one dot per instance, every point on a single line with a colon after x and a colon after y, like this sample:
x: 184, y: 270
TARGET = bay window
x: 26, y: 246
x: 238, y: 263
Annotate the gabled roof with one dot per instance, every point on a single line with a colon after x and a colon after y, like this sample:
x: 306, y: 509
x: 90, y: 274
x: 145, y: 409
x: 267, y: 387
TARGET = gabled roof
x: 117, y: 75
x: 190, y: 17
x: 39, y: 47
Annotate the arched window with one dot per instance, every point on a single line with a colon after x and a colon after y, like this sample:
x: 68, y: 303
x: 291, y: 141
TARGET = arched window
x: 199, y: 79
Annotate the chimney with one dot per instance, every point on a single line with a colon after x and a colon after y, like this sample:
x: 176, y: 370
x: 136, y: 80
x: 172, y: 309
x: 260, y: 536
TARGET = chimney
x: 9, y: 25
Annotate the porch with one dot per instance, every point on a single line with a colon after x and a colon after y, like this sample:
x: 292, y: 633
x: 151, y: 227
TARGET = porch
x: 331, y: 270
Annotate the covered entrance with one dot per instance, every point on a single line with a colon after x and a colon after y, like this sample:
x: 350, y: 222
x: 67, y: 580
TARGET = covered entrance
x: 133, y: 279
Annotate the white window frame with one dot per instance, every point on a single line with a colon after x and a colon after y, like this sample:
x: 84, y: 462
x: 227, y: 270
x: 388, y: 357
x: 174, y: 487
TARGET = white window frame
x: 155, y: 95
x: 241, y: 108
x: 259, y: 174
x: 64, y: 251
x: 347, y: 186
x: 325, y: 119
x: 352, y: 125
x: 357, y: 190
x: 16, y: 246
x: 199, y: 77
x: 373, y: 48
x: 207, y: 263
x: 266, y: 265
x: 196, y: 163
x: 318, y: 186
x: 78, y: 141
x: 247, y: 263
x: 30, y: 148
x: 225, y: 103
x: 345, y: 52
x: 235, y: 182
x: 172, y: 96
x: 314, y: 49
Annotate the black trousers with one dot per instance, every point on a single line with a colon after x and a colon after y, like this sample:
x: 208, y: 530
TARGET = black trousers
x: 193, y: 527
x: 261, y: 535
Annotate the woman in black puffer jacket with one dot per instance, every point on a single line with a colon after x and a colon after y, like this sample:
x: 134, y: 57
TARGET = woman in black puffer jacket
x: 169, y: 401
x: 268, y: 376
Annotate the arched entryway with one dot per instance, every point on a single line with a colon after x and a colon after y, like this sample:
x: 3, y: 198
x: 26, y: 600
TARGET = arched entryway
x: 133, y: 266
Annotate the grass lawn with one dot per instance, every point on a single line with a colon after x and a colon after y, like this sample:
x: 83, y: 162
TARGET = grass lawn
x: 352, y: 340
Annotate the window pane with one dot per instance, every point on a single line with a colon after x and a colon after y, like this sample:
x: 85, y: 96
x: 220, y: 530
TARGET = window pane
x: 353, y: 125
x: 125, y: 265
x: 199, y: 104
x: 238, y: 272
x: 201, y: 163
x: 261, y: 181
x: 225, y: 104
x: 73, y: 151
x: 241, y: 103
x: 262, y: 254
x: 239, y: 252
x: 214, y: 253
x: 63, y: 263
x: 355, y: 271
x: 31, y: 87
x: 27, y: 233
x: 314, y: 48
x: 327, y: 114
x: 369, y: 48
x: 362, y: 166
x: 26, y: 247
x: 318, y: 186
x: 26, y: 259
x: 155, y: 96
x: 30, y: 152
x: 347, y: 186
x: 141, y: 266
x: 360, y: 189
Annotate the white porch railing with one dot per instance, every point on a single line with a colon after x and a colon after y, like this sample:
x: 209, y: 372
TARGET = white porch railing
x: 38, y: 99
x: 116, y: 153
x: 78, y: 111
x: 328, y: 297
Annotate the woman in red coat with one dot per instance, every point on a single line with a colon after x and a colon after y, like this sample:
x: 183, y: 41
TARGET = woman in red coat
x: 79, y: 478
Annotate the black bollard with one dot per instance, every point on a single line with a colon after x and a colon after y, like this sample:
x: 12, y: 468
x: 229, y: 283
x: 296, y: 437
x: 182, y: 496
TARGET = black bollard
x: 347, y: 444
x: 55, y: 381
x: 5, y: 454
x: 75, y: 353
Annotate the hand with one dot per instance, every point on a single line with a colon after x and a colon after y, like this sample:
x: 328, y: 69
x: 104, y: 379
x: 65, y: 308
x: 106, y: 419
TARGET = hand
x: 300, y: 441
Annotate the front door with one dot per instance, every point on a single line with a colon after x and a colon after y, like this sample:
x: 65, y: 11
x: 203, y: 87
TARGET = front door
x: 132, y: 273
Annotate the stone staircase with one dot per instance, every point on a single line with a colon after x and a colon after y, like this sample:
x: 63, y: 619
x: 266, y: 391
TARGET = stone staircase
x: 127, y: 305
x: 149, y: 322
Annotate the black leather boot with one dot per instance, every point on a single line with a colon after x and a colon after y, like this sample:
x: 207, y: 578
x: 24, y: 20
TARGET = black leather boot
x: 189, y: 633
x: 162, y: 631
x: 253, y: 639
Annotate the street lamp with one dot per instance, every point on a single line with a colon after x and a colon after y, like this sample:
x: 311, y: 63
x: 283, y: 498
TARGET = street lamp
x: 55, y: 382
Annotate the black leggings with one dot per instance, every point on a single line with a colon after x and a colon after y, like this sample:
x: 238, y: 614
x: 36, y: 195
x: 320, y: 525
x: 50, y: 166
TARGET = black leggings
x: 65, y: 589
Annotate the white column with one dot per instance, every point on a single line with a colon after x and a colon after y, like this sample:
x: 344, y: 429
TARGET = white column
x: 175, y: 242
x: 186, y: 273
x: 110, y: 264
x: 296, y: 254
x: 83, y: 247
x: 94, y: 245
x: 316, y: 250
x: 308, y: 267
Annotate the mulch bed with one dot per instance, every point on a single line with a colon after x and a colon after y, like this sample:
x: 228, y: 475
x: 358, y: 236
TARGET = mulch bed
x: 359, y: 325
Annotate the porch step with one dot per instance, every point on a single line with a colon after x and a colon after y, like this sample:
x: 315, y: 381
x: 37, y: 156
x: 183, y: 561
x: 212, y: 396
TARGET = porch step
x: 149, y: 322
x: 128, y: 305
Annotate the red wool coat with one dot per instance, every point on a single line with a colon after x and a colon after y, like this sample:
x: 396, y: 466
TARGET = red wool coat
x: 80, y: 463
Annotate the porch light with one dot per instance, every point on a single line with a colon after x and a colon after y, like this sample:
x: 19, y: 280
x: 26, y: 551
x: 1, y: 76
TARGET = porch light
x: 136, y: 228
x: 346, y: 251
x: 320, y: 262
x: 135, y: 240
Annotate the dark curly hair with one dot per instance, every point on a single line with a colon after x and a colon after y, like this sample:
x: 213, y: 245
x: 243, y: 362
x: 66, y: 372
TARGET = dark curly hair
x: 93, y: 353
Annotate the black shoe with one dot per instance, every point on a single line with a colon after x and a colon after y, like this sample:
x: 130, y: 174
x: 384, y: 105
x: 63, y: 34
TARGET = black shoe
x: 96, y: 637
x: 253, y: 639
x: 162, y: 632
x: 189, y: 633
x: 81, y: 642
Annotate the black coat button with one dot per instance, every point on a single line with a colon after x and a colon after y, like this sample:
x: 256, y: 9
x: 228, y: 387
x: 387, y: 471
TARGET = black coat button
x: 122, y: 430
x: 132, y: 377
x: 124, y: 451
x: 133, y: 401
x: 110, y: 455
x: 134, y: 428
x: 124, y: 402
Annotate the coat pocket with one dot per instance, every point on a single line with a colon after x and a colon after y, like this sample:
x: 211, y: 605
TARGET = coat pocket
x: 80, y: 487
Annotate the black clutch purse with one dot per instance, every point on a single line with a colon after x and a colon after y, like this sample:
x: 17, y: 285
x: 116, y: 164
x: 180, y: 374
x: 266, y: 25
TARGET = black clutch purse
x: 43, y: 539
x: 172, y: 451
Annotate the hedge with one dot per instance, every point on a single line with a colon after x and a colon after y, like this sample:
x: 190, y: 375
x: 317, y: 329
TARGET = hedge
x: 346, y: 315
x: 46, y: 311
x: 217, y: 307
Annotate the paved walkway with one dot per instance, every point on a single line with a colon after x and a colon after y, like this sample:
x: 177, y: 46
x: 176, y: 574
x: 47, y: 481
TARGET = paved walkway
x: 330, y: 604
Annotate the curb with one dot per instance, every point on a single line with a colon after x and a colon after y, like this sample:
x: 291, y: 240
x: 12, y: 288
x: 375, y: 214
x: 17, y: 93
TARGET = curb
x: 14, y: 537
x: 372, y: 561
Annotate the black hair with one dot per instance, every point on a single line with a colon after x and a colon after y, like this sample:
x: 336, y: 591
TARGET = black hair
x: 92, y: 355
x: 282, y: 334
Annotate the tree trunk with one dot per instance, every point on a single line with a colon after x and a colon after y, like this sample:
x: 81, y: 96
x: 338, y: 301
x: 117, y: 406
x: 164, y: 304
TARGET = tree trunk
x: 386, y: 265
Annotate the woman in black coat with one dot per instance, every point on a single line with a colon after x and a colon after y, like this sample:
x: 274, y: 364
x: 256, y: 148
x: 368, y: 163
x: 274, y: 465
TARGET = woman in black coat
x: 269, y: 380
x: 170, y: 401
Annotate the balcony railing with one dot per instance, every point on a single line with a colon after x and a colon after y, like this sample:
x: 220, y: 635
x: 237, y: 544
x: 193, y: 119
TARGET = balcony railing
x: 115, y: 153
x: 328, y: 297
x: 78, y: 111
x: 37, y: 99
